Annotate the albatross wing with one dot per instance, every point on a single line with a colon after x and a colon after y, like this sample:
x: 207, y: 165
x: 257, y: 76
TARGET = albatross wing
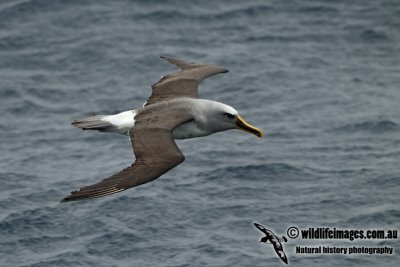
x: 184, y: 83
x: 155, y: 152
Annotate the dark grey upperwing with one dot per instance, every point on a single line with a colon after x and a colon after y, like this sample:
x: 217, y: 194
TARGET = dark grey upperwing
x: 262, y: 228
x: 279, y: 250
x: 155, y: 152
x: 182, y: 84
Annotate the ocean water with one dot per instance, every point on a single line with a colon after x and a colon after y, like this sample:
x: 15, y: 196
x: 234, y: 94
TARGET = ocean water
x: 321, y: 78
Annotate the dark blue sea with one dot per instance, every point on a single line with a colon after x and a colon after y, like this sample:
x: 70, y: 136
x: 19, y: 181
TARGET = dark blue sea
x: 321, y: 78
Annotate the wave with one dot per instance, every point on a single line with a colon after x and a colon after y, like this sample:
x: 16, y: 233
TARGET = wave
x: 184, y: 14
x: 374, y: 35
x: 372, y: 126
x: 27, y: 7
x: 320, y: 10
x: 362, y: 34
x: 260, y: 171
x: 381, y: 218
x: 291, y: 38
x: 243, y: 11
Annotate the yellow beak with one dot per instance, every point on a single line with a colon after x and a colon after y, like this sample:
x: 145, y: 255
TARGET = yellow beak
x: 244, y: 126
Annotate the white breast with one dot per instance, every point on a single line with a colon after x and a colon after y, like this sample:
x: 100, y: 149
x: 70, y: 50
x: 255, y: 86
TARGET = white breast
x: 188, y: 130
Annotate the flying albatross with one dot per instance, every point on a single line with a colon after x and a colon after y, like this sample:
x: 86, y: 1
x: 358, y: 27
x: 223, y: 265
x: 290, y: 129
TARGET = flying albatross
x: 173, y: 111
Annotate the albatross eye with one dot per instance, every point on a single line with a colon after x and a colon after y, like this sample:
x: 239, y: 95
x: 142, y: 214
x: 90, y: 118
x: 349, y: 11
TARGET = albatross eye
x: 229, y: 116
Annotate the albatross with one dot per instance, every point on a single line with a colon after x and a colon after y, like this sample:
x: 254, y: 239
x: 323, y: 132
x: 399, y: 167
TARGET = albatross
x: 173, y: 111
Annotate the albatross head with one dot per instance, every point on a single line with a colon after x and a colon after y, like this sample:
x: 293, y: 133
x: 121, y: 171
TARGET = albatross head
x: 221, y: 117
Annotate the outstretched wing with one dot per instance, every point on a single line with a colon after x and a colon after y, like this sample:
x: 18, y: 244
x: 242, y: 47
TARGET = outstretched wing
x: 281, y: 254
x: 184, y: 83
x: 155, y: 152
x: 261, y: 228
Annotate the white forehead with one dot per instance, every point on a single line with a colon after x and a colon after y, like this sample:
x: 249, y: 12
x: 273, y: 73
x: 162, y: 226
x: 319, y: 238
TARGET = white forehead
x: 216, y: 106
x: 227, y: 109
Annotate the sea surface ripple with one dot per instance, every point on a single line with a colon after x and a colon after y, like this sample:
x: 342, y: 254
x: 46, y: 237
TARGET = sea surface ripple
x: 321, y: 78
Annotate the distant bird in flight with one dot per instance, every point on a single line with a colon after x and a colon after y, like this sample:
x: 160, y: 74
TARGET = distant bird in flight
x: 173, y: 111
x: 271, y: 238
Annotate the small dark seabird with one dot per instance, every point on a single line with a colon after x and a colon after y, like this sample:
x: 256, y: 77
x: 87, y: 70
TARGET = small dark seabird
x: 173, y: 111
x: 271, y: 238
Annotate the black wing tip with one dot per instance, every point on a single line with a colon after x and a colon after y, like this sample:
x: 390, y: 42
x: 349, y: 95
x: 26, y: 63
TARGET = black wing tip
x: 224, y: 70
x: 169, y: 59
x: 71, y: 197
x: 258, y: 225
x: 85, y: 195
x: 68, y: 198
x: 74, y: 198
x: 188, y: 65
x: 179, y: 63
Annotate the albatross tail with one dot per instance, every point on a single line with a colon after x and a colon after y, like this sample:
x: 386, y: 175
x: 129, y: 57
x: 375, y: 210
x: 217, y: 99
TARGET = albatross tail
x: 94, y: 123
x: 119, y: 123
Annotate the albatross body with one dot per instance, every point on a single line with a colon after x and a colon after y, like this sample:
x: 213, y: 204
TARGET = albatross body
x: 201, y: 125
x: 173, y: 111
